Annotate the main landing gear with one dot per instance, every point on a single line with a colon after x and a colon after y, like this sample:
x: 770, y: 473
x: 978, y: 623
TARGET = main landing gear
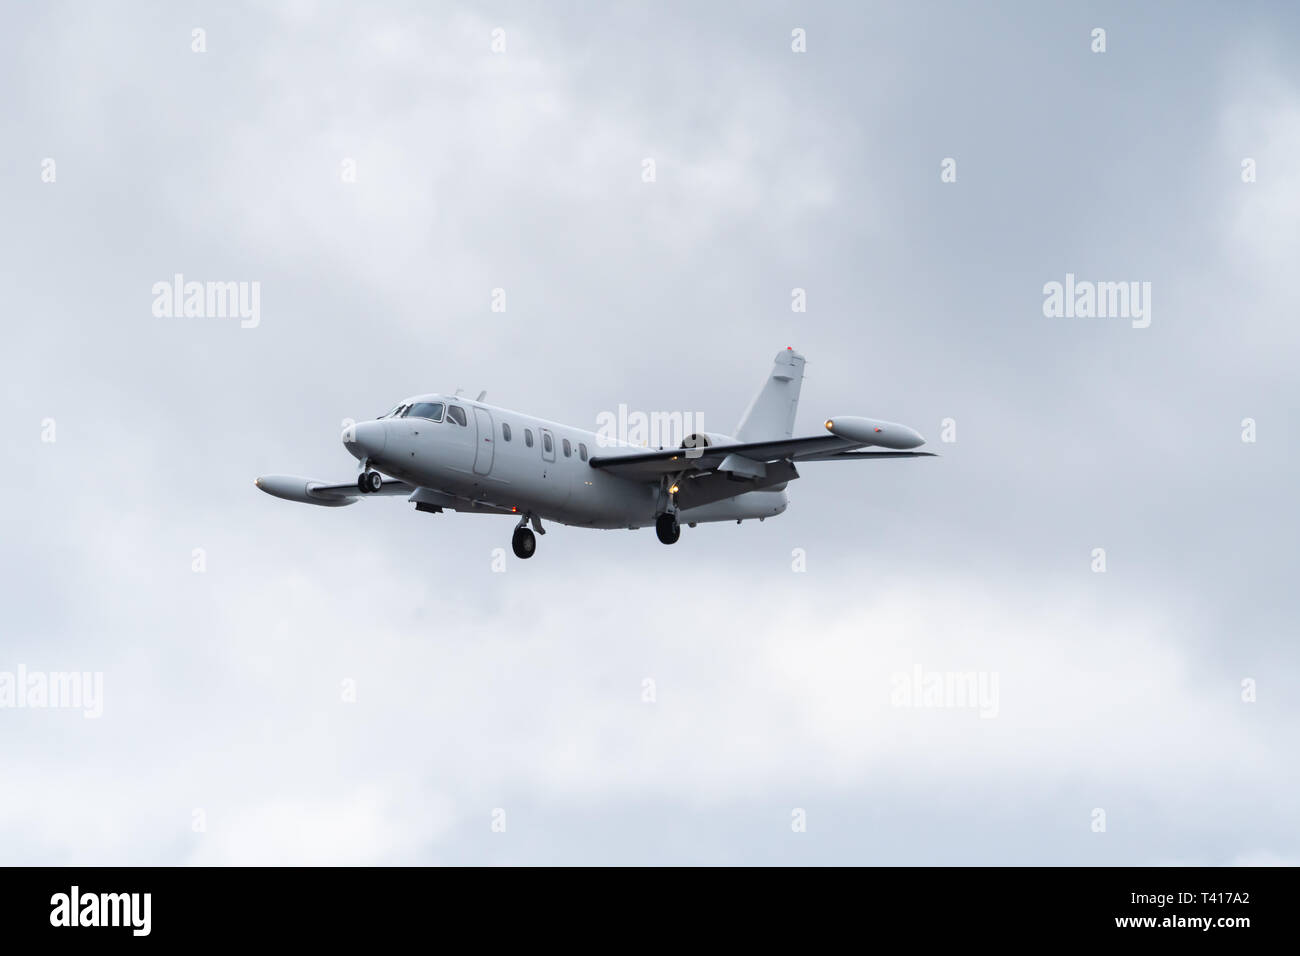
x: 368, y: 482
x: 524, y: 542
x: 667, y: 528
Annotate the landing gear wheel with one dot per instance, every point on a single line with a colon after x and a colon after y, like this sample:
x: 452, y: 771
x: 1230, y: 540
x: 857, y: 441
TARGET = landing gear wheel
x: 372, y: 481
x: 668, y: 529
x: 524, y: 542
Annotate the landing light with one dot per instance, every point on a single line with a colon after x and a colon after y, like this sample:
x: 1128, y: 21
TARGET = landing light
x: 673, y: 490
x: 830, y: 423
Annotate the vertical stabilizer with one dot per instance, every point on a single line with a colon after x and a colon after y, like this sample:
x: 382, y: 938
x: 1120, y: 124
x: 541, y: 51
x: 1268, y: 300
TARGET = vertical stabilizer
x: 770, y: 415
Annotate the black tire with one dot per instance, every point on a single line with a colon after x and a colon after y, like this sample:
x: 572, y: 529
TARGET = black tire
x: 667, y: 528
x: 374, y: 481
x: 524, y: 543
x: 361, y: 483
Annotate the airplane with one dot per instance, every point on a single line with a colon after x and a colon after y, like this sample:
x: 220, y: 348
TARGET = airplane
x: 447, y: 453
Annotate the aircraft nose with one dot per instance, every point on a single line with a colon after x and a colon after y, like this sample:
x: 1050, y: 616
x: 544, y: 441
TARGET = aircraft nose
x: 365, y: 439
x: 915, y: 437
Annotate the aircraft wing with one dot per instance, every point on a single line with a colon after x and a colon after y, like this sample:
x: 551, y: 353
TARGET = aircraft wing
x: 391, y: 486
x: 293, y: 488
x: 649, y: 466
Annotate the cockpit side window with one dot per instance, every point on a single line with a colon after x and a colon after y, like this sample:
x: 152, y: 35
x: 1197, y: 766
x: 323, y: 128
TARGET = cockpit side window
x: 457, y: 414
x: 429, y: 410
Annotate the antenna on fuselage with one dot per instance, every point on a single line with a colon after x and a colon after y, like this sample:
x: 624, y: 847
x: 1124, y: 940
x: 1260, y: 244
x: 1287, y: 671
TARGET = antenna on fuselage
x: 458, y: 391
x: 481, y: 395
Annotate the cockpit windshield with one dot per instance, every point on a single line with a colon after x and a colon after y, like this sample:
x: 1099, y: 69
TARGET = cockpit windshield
x: 394, y: 413
x: 429, y: 410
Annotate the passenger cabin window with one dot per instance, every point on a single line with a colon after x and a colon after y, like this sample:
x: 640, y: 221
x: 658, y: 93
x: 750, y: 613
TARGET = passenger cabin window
x: 505, y: 431
x: 548, y: 446
x: 582, y: 451
x: 429, y: 410
x: 528, y: 437
x: 568, y: 449
x: 456, y: 414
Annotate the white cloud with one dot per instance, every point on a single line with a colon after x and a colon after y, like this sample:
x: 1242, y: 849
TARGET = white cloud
x: 535, y: 696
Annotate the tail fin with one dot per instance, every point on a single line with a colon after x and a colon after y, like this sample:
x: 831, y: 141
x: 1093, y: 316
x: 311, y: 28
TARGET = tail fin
x: 771, y: 414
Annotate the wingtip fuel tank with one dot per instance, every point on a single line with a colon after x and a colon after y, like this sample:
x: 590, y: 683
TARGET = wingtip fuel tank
x: 871, y: 432
x: 293, y: 488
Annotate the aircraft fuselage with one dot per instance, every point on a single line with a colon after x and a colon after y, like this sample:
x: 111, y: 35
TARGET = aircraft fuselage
x: 540, y: 469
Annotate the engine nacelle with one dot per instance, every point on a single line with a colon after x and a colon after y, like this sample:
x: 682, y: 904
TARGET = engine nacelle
x: 695, y: 442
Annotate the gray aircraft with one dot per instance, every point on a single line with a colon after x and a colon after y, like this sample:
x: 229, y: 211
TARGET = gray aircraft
x: 447, y: 453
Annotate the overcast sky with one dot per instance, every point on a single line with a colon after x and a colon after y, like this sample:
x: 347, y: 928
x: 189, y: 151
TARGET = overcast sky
x: 134, y: 439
